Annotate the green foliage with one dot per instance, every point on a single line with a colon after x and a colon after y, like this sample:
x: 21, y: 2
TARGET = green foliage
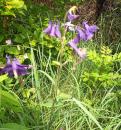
x: 8, y: 7
x: 55, y: 96
x: 103, y: 72
x: 3, y: 77
x: 87, y: 112
x: 10, y: 101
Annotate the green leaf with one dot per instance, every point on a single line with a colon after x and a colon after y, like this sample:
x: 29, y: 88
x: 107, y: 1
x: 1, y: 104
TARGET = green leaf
x: 10, y: 101
x: 19, y: 38
x: 12, y: 50
x: 2, y: 113
x: 48, y: 76
x: 13, y: 126
x: 33, y: 43
x: 8, y: 13
x: 15, y: 3
x: 1, y: 37
x: 56, y: 63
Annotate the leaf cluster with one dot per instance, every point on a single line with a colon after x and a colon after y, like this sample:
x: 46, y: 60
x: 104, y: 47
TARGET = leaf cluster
x: 103, y: 71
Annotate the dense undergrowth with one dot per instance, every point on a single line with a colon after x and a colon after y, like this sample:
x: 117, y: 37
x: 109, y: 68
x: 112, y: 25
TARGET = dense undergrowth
x: 63, y: 90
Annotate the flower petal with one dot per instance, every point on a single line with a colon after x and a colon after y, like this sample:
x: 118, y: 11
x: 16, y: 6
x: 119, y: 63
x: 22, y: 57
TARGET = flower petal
x: 92, y: 28
x: 79, y: 51
x: 48, y: 29
x: 82, y: 53
x: 89, y: 30
x: 8, y: 60
x: 53, y: 30
x: 21, y: 70
x: 71, y: 16
x: 89, y: 35
x: 81, y: 34
x: 6, y: 69
x: 57, y: 31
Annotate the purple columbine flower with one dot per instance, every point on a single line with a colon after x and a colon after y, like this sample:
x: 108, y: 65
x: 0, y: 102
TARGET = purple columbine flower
x: 71, y: 16
x: 48, y: 29
x: 82, y: 34
x: 89, y: 30
x: 53, y: 30
x: 73, y: 43
x: 14, y: 68
x: 87, y: 33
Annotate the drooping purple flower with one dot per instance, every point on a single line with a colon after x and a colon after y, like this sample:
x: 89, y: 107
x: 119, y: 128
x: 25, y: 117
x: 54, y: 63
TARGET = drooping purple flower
x: 15, y: 69
x: 48, y: 29
x: 84, y: 34
x: 89, y: 30
x: 73, y: 44
x: 72, y: 13
x: 53, y: 30
x: 71, y: 16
